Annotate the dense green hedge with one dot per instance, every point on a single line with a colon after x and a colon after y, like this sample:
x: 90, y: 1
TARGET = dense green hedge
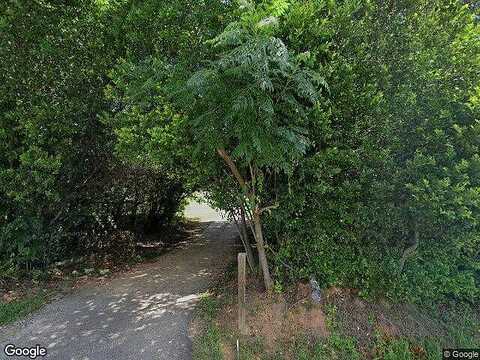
x: 396, y: 153
x: 62, y: 191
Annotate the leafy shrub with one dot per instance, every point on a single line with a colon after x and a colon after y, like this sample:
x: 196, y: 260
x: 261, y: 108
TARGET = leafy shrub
x: 61, y: 190
x: 387, y: 199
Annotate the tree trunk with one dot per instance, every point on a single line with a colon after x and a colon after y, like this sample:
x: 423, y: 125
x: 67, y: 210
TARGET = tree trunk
x: 248, y: 248
x: 256, y: 217
x: 246, y: 243
x: 409, y: 251
x: 262, y: 257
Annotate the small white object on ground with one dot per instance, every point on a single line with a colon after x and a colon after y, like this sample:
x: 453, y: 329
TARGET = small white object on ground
x: 316, y: 291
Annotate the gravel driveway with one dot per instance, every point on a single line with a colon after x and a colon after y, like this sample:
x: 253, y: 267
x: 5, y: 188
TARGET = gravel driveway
x: 142, y: 314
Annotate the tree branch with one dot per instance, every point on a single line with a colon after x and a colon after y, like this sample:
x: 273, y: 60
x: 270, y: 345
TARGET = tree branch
x: 409, y: 251
x: 269, y: 208
x: 233, y: 168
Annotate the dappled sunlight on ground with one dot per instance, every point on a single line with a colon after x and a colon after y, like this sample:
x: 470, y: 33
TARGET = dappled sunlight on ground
x: 142, y: 314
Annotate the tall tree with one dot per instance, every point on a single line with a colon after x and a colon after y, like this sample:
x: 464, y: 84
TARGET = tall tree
x: 250, y: 107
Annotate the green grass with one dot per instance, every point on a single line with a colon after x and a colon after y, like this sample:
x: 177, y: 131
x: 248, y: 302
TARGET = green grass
x: 253, y: 348
x: 17, y: 309
x: 398, y: 349
x: 464, y: 328
x: 207, y: 346
x: 335, y: 347
x: 208, y: 307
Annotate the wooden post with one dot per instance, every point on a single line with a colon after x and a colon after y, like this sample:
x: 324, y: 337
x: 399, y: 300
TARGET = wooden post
x: 241, y: 293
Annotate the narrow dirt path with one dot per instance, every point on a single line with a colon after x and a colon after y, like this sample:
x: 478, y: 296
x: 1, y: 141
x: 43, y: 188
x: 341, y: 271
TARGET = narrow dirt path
x: 143, y: 314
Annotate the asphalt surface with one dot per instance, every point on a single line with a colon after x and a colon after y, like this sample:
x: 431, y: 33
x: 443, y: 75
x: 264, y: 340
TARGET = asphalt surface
x: 142, y: 314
